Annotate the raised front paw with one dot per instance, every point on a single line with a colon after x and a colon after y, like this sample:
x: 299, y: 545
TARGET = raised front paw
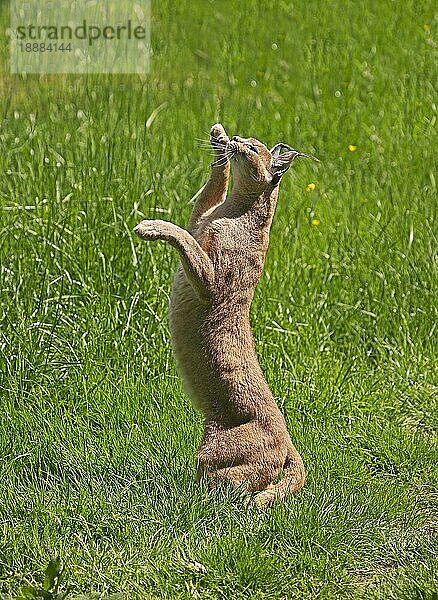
x: 218, y: 137
x: 155, y: 230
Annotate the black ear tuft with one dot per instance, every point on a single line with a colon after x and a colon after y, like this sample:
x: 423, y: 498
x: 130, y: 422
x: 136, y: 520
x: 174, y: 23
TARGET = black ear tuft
x: 281, y: 162
x: 276, y: 150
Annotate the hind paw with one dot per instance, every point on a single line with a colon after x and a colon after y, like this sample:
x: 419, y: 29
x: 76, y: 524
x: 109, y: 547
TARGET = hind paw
x: 265, y: 498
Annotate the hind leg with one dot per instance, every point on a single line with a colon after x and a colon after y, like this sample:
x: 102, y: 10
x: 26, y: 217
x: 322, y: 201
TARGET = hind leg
x: 236, y: 476
x: 243, y: 477
x: 248, y: 455
x: 227, y: 446
x: 292, y: 480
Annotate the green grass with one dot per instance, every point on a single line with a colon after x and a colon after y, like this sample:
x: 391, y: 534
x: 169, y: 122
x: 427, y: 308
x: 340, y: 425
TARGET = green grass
x: 96, y: 436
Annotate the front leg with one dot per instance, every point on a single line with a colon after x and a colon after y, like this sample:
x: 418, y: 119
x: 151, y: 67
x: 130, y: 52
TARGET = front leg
x: 215, y: 190
x: 196, y: 263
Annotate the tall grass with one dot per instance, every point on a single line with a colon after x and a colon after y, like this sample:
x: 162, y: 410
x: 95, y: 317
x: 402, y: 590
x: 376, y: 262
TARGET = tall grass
x: 96, y: 436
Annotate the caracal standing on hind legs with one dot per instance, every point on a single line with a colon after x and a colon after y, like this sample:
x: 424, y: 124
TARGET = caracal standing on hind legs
x: 222, y: 251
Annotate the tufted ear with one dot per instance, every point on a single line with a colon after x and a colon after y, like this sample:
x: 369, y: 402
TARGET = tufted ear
x: 282, y: 161
x: 275, y: 151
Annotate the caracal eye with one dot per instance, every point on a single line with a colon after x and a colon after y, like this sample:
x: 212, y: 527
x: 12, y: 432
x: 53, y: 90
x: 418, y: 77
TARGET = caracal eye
x: 252, y: 148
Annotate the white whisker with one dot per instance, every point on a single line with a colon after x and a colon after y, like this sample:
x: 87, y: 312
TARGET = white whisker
x: 220, y: 162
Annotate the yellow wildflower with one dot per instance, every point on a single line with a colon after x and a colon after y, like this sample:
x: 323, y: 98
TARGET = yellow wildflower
x: 310, y: 187
x: 352, y: 148
x: 315, y: 222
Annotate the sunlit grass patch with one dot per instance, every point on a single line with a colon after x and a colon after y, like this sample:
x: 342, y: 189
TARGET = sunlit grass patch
x: 96, y: 436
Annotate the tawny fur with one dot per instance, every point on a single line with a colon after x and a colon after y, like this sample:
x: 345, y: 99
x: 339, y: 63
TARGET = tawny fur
x: 245, y: 441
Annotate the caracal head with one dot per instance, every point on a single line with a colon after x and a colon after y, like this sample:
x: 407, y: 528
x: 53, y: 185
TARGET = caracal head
x: 254, y: 167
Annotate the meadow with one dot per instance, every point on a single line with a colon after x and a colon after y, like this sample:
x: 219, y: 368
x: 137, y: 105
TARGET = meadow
x: 97, y: 438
